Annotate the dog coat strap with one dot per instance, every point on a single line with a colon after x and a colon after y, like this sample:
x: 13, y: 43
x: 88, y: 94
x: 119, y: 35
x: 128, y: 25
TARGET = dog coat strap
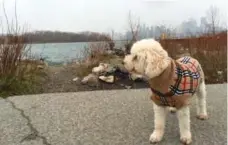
x: 162, y: 96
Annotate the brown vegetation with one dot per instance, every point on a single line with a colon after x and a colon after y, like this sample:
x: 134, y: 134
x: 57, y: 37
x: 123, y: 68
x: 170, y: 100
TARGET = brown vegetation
x: 19, y: 73
x: 210, y: 50
x: 94, y: 54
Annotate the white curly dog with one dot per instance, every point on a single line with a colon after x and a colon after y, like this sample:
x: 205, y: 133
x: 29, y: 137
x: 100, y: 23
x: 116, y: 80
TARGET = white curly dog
x: 173, y: 83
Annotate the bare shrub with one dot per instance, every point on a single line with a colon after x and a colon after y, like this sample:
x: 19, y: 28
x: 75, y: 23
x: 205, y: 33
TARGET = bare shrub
x: 95, y: 53
x: 17, y: 70
x: 213, y: 19
x: 211, y: 51
x: 133, y: 26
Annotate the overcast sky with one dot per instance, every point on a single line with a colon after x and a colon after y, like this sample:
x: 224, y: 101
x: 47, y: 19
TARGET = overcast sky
x: 104, y: 15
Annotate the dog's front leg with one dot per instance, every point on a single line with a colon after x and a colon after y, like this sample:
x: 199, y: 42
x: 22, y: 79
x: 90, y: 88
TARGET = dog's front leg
x: 183, y: 115
x: 159, y: 123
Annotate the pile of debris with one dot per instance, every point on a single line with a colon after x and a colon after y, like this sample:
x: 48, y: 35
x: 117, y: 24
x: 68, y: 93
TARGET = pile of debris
x: 110, y: 74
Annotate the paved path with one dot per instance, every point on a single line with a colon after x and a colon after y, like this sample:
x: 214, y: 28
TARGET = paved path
x: 123, y: 117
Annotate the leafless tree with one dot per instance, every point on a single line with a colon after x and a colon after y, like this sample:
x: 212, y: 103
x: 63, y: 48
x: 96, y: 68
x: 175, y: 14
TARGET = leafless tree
x: 134, y: 25
x: 213, y: 19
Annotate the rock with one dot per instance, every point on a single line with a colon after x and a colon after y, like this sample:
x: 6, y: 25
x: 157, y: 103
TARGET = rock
x: 135, y: 77
x: 110, y: 52
x: 91, y: 80
x: 219, y: 72
x: 101, y: 68
x: 107, y: 79
x: 220, y: 77
x: 128, y: 87
x: 40, y: 66
x: 76, y: 79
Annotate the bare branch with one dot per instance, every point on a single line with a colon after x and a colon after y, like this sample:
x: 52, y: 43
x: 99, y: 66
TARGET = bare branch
x: 213, y: 19
x: 134, y: 26
x: 15, y: 13
x: 1, y: 24
x: 6, y: 17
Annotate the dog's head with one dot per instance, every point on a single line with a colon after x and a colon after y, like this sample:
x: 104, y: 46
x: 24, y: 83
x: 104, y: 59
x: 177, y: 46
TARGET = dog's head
x: 147, y: 58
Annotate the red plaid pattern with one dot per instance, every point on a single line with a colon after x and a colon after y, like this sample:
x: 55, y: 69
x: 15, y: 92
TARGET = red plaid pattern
x: 187, y: 77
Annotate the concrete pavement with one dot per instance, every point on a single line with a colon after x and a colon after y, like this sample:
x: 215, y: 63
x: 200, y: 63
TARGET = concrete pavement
x: 123, y: 117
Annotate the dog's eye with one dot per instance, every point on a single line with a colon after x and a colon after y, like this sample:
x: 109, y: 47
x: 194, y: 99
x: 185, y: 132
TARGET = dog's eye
x: 135, y: 57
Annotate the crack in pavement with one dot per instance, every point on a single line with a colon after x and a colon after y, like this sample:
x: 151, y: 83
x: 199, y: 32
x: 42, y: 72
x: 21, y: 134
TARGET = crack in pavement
x: 34, y: 133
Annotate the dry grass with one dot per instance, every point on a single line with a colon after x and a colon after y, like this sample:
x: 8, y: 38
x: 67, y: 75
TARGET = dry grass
x: 93, y: 55
x: 211, y: 51
x: 17, y: 74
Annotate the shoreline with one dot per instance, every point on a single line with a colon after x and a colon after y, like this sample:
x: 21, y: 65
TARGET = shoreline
x: 60, y: 79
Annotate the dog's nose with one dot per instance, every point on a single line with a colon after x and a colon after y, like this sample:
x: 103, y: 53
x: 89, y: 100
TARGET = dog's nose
x: 123, y: 63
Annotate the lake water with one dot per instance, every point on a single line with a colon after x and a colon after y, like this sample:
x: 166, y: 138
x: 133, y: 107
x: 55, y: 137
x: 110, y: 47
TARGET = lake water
x: 62, y: 52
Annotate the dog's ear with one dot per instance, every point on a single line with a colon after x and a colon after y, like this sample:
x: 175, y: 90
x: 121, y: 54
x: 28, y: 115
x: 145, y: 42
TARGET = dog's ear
x: 155, y: 64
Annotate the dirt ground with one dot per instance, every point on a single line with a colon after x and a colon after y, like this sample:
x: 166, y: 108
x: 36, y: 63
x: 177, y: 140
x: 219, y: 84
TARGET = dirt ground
x: 60, y: 79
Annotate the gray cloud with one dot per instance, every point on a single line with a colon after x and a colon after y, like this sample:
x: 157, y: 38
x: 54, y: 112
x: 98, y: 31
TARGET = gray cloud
x: 104, y: 15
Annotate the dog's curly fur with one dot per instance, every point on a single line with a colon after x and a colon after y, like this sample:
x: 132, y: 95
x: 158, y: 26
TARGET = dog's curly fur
x: 148, y: 58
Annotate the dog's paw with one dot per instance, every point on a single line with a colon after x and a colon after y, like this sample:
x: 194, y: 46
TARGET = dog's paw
x: 186, y: 139
x: 156, y: 137
x: 202, y: 117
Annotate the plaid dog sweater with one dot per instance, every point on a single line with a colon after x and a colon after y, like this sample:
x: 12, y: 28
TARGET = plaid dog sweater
x: 178, y: 83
